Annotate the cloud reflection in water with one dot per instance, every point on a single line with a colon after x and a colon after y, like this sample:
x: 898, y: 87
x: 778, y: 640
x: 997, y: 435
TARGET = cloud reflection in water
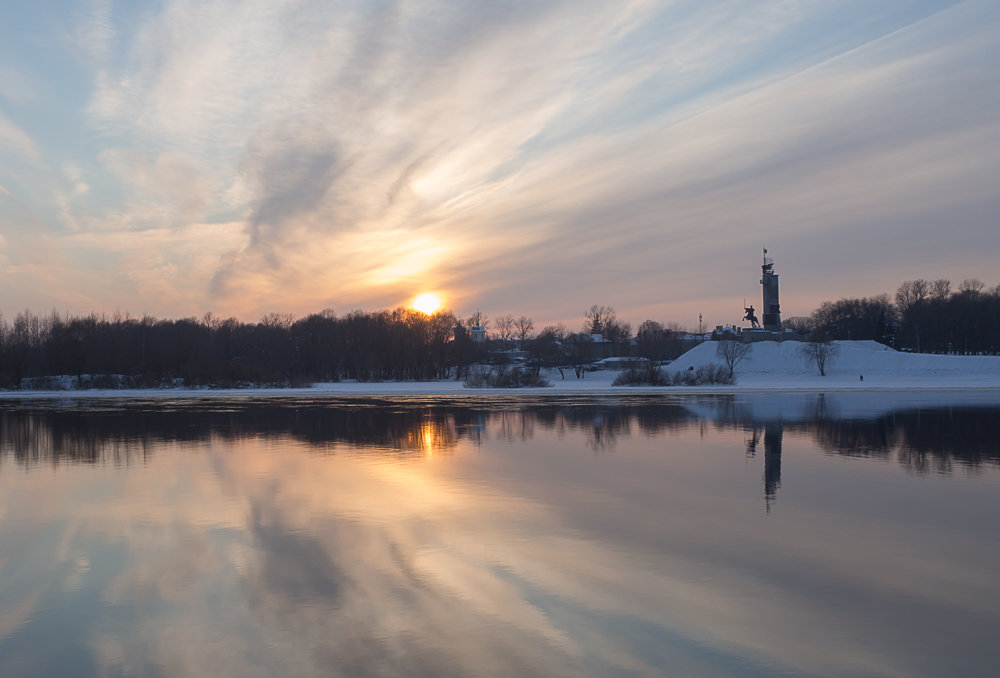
x: 339, y: 540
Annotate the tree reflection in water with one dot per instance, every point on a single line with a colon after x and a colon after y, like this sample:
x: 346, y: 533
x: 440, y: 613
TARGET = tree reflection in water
x: 922, y: 439
x: 319, y: 533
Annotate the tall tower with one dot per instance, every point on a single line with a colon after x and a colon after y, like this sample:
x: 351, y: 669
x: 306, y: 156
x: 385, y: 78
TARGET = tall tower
x: 769, y: 280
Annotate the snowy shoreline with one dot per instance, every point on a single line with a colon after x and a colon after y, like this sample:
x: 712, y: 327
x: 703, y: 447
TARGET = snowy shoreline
x: 769, y: 368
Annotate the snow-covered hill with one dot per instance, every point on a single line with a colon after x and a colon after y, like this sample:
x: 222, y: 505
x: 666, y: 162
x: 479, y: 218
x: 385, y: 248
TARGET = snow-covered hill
x: 773, y: 364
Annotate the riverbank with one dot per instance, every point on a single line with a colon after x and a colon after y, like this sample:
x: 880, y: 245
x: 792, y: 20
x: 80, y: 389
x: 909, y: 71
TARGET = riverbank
x: 769, y: 367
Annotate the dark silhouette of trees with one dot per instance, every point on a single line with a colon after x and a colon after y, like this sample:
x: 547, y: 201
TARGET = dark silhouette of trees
x: 524, y: 327
x: 597, y: 318
x: 935, y: 320
x: 506, y: 328
x: 867, y: 318
x: 600, y: 319
x: 927, y: 317
x: 124, y: 351
x: 403, y: 344
x: 547, y: 348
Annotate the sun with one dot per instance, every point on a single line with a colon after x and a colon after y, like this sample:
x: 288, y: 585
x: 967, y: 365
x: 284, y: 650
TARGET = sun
x: 427, y: 302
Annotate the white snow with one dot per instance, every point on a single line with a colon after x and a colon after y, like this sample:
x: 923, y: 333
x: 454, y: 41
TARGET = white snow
x: 781, y: 366
x: 770, y: 366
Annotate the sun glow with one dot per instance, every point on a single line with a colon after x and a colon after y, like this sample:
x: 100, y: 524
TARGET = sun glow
x: 428, y: 303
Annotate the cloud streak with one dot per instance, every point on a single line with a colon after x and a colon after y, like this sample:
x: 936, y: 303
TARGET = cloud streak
x: 540, y: 156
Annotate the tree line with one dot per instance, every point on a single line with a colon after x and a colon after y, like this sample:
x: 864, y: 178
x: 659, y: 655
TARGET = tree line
x: 405, y: 344
x: 278, y: 350
x: 927, y: 317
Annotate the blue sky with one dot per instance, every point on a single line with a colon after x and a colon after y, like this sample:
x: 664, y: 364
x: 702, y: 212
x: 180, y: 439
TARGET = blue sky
x: 243, y: 157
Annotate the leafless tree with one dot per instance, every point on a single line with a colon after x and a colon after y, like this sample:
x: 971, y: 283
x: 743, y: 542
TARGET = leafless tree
x: 911, y: 293
x: 732, y: 353
x: 910, y: 298
x: 971, y: 287
x: 505, y: 326
x: 819, y: 352
x: 278, y: 320
x: 478, y: 319
x: 598, y: 318
x: 653, y: 342
x: 524, y: 327
x: 941, y: 289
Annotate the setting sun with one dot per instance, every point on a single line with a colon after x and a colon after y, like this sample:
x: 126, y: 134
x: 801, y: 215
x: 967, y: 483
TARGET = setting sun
x: 428, y: 303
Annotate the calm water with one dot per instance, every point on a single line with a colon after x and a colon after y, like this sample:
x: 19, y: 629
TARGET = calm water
x: 851, y: 535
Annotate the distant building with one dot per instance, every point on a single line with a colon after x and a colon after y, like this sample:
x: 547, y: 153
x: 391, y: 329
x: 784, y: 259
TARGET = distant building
x: 726, y: 333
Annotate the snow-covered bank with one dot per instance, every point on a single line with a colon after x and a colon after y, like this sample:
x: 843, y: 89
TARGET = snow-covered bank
x: 781, y: 366
x: 769, y: 366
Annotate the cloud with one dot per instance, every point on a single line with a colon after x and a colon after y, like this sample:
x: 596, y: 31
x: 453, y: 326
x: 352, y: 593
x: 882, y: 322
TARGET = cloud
x: 170, y: 190
x: 16, y: 141
x: 546, y: 154
x: 153, y: 270
x: 94, y: 30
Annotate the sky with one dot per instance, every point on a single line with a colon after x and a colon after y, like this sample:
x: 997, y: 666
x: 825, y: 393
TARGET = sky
x: 253, y: 156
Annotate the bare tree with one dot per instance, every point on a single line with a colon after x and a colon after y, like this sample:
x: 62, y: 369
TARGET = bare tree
x: 505, y: 326
x: 911, y: 293
x: 278, y: 320
x: 524, y: 327
x: 819, y: 352
x: 210, y: 320
x: 971, y: 287
x: 941, y: 289
x: 910, y: 298
x: 617, y: 331
x: 478, y: 319
x: 732, y: 353
x: 599, y: 317
x: 653, y: 343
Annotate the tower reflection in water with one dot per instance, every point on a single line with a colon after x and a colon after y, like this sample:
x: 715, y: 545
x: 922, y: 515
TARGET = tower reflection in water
x: 773, y: 433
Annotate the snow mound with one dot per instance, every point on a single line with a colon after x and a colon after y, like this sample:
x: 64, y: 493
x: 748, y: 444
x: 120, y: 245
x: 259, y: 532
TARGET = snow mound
x: 773, y: 363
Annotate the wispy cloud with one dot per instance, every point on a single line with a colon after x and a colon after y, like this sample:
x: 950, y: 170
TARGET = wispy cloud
x: 626, y: 147
x: 15, y: 141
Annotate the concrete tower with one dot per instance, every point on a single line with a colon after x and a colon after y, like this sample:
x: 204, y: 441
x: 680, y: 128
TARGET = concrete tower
x: 772, y: 310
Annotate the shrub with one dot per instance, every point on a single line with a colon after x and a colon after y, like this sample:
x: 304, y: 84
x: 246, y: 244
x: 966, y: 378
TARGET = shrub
x: 644, y: 375
x: 706, y: 374
x: 499, y: 376
x: 714, y: 374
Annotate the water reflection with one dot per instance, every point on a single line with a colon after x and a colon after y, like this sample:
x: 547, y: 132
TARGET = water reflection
x: 772, y: 433
x: 923, y: 434
x: 554, y: 537
x: 35, y: 433
x: 923, y: 437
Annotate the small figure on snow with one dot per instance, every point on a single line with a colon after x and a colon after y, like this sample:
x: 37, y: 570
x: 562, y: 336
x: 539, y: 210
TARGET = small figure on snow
x: 751, y: 316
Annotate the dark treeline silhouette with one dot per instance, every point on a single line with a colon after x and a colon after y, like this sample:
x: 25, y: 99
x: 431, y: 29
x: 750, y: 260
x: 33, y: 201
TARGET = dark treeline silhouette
x: 400, y: 345
x: 278, y: 350
x: 404, y: 344
x: 927, y: 317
